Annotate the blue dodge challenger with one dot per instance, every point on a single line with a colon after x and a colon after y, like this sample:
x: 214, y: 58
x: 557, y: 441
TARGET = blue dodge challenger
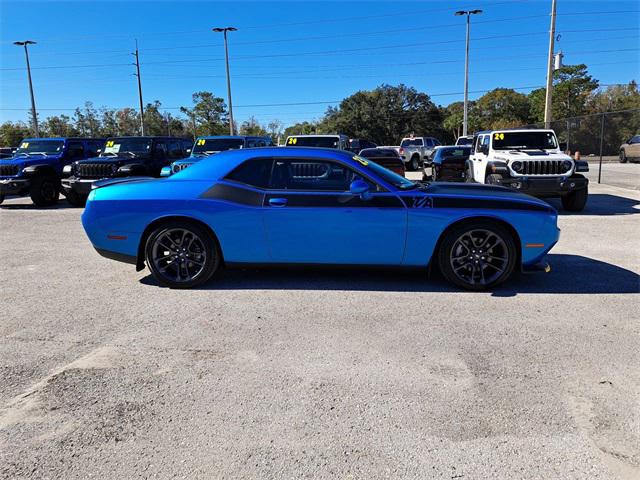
x: 315, y: 206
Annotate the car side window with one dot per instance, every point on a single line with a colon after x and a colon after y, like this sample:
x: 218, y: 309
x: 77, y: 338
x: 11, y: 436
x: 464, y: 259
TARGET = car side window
x: 254, y: 172
x: 75, y: 150
x: 635, y: 139
x: 312, y: 175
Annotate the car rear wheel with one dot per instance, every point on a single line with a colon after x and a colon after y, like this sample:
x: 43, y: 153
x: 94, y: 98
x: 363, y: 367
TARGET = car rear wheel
x: 576, y: 200
x: 181, y: 255
x: 468, y: 175
x: 45, y: 191
x: 477, y: 255
x: 623, y: 156
x: 415, y: 163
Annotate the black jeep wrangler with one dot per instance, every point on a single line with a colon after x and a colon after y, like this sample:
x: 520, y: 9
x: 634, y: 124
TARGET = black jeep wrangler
x: 122, y: 157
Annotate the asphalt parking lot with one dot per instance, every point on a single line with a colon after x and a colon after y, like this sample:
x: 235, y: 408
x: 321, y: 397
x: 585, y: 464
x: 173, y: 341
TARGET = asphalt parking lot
x: 320, y: 374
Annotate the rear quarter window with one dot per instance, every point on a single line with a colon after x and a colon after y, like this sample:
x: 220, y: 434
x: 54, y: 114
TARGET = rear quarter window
x: 255, y: 172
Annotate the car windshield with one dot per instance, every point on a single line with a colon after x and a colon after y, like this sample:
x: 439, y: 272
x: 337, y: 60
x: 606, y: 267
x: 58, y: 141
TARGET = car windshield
x: 49, y: 147
x: 411, y: 142
x: 387, y: 175
x: 524, y: 140
x: 139, y: 146
x: 311, y: 141
x: 464, y: 141
x: 452, y: 152
x: 212, y: 145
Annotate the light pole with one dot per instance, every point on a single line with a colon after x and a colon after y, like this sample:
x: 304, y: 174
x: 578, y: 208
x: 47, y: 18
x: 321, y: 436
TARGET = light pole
x: 33, y: 100
x: 226, y: 56
x: 549, y: 90
x: 137, y: 74
x: 468, y: 13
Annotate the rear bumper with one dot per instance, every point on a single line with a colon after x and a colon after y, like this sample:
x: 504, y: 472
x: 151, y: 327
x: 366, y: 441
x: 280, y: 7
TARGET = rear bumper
x: 14, y: 186
x: 81, y: 186
x: 545, y: 186
x: 118, y: 257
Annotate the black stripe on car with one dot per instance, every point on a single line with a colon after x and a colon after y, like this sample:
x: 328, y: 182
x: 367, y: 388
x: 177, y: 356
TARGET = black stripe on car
x: 230, y: 193
x: 486, y: 204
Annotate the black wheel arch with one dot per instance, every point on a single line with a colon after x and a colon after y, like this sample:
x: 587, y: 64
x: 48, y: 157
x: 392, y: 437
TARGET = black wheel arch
x: 470, y: 220
x: 37, y: 170
x: 172, y: 218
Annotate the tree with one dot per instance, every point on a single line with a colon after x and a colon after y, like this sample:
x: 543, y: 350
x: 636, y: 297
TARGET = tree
x: 209, y: 114
x: 12, y: 132
x: 252, y: 127
x: 454, y: 117
x: 109, y: 122
x: 274, y: 129
x: 128, y: 121
x: 58, y: 126
x: 86, y: 121
x: 385, y: 115
x: 501, y: 108
x: 303, y: 128
x: 154, y: 122
x: 572, y: 89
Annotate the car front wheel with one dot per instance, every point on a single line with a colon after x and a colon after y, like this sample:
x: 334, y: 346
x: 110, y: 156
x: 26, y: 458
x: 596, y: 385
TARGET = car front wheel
x: 45, y: 191
x: 181, y: 255
x: 623, y: 156
x: 576, y: 200
x: 477, y: 255
x: 75, y: 199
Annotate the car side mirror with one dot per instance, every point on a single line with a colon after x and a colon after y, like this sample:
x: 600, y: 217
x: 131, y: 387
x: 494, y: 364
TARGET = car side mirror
x: 360, y: 188
x: 165, y: 172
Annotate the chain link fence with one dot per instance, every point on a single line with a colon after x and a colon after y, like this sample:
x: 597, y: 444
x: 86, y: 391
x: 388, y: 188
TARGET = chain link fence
x: 602, y: 139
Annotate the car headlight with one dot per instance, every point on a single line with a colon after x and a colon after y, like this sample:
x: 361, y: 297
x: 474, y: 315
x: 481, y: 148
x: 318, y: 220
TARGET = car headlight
x: 516, y: 166
x: 67, y: 169
x: 566, y: 165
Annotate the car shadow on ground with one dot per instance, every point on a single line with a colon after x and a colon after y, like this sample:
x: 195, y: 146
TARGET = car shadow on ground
x: 601, y: 204
x: 571, y: 274
x: 27, y: 205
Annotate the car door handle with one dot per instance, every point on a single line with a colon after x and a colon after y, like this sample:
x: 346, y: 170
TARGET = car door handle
x: 278, y: 202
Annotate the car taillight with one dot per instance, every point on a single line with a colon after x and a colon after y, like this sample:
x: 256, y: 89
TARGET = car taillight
x: 401, y: 151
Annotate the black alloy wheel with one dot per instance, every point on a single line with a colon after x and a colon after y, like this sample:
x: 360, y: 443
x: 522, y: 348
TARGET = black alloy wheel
x: 181, y: 255
x: 45, y: 191
x: 477, y: 255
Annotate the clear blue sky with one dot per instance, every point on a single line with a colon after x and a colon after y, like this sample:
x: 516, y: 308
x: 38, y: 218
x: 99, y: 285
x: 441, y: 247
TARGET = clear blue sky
x: 297, y: 52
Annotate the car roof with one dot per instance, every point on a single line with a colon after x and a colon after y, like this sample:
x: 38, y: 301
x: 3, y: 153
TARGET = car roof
x: 63, y: 138
x: 217, y: 166
x: 484, y: 132
x: 211, y: 137
x: 151, y: 137
x: 328, y: 135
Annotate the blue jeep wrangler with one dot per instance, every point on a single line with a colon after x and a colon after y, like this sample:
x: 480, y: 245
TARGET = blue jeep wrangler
x: 36, y: 167
x: 205, y: 146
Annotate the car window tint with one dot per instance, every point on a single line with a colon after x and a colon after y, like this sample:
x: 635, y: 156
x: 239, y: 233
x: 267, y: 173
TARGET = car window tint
x: 308, y: 175
x: 254, y: 172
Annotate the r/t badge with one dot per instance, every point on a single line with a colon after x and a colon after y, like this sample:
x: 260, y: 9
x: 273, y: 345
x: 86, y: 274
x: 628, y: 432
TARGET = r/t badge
x: 421, y: 202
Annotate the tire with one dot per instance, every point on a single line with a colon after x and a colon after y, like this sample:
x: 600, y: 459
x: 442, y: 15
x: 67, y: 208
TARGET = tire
x: 623, y: 156
x: 493, y: 179
x: 75, y: 199
x: 468, y: 177
x: 576, y: 200
x: 480, y: 266
x: 45, y: 191
x: 176, y: 266
x: 415, y: 163
x: 1, y: 199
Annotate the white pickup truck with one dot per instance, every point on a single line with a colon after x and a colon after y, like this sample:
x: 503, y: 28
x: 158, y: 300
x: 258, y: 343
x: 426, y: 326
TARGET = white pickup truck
x: 415, y: 152
x: 529, y: 161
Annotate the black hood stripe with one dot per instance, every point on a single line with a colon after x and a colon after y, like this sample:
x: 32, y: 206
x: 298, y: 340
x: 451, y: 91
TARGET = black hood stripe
x: 486, y: 204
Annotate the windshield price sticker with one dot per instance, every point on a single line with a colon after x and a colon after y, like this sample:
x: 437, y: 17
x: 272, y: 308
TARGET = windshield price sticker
x: 201, y: 141
x: 358, y: 158
x: 24, y: 145
x: 292, y: 141
x: 109, y: 143
x: 498, y: 136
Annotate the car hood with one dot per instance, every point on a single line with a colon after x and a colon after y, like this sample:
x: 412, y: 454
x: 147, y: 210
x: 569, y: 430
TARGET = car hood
x: 26, y: 160
x: 512, y: 155
x: 482, y: 191
x: 110, y: 160
x: 189, y: 160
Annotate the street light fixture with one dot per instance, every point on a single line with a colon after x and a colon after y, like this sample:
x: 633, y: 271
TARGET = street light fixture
x: 468, y: 13
x: 25, y: 44
x: 226, y: 56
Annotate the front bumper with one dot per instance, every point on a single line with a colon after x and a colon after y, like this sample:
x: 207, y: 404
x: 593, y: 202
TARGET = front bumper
x: 81, y: 186
x: 14, y: 186
x: 545, y: 186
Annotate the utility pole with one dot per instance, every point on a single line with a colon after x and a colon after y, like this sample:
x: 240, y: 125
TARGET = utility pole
x: 34, y: 117
x: 226, y: 57
x: 137, y: 64
x: 465, y: 118
x: 550, y: 61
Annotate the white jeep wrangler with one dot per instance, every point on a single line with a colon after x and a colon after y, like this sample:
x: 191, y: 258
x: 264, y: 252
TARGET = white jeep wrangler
x: 529, y: 161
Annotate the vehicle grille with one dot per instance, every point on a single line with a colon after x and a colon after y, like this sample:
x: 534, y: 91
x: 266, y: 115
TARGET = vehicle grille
x: 309, y: 170
x: 9, y: 170
x: 94, y: 170
x: 181, y: 166
x: 542, y: 167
